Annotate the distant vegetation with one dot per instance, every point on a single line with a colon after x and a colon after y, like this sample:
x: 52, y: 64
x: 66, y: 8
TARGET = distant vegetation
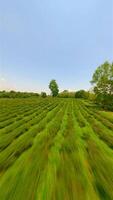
x: 102, y: 92
x: 14, y: 94
x: 43, y: 94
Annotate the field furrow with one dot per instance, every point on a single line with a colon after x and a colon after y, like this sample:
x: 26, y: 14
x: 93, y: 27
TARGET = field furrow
x: 55, y: 149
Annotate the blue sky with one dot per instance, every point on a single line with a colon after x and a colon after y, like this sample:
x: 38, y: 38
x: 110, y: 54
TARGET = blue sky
x: 64, y: 40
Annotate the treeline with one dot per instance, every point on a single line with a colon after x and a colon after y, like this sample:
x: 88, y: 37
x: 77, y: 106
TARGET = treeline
x: 82, y: 94
x: 14, y: 94
x: 53, y: 86
x: 102, y: 92
x: 65, y: 94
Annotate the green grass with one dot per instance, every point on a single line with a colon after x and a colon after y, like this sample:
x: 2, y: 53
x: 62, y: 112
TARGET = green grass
x: 55, y: 149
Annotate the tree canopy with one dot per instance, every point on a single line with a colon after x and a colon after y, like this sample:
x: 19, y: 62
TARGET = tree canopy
x: 103, y: 84
x: 53, y: 86
x: 82, y: 94
x: 103, y: 79
x: 43, y: 94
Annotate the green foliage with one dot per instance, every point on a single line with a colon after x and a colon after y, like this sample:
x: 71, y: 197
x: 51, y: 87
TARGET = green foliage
x: 103, y: 85
x: 14, y: 94
x: 103, y: 79
x: 82, y: 94
x: 43, y: 94
x: 53, y: 86
x: 66, y: 94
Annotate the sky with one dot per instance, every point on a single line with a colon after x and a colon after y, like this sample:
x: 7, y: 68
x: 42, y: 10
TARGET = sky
x: 64, y: 40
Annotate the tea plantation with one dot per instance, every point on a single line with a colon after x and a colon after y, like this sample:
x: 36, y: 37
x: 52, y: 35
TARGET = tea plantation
x: 55, y: 149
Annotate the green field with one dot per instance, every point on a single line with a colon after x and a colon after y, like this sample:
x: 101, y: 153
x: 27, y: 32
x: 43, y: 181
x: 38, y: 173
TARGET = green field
x: 55, y: 149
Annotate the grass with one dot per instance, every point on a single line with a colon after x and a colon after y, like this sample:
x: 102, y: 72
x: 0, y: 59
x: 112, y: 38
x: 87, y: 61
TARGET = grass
x: 55, y: 149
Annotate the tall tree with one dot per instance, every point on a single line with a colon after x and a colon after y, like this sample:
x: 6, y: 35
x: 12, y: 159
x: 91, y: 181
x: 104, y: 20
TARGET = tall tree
x: 103, y: 79
x: 53, y: 86
x: 103, y: 84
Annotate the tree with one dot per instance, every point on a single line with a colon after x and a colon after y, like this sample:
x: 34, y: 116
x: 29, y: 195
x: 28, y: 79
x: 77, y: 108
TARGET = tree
x: 15, y: 94
x: 103, y: 84
x: 53, y: 86
x: 82, y: 94
x: 43, y: 94
x: 103, y: 79
x: 66, y: 94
